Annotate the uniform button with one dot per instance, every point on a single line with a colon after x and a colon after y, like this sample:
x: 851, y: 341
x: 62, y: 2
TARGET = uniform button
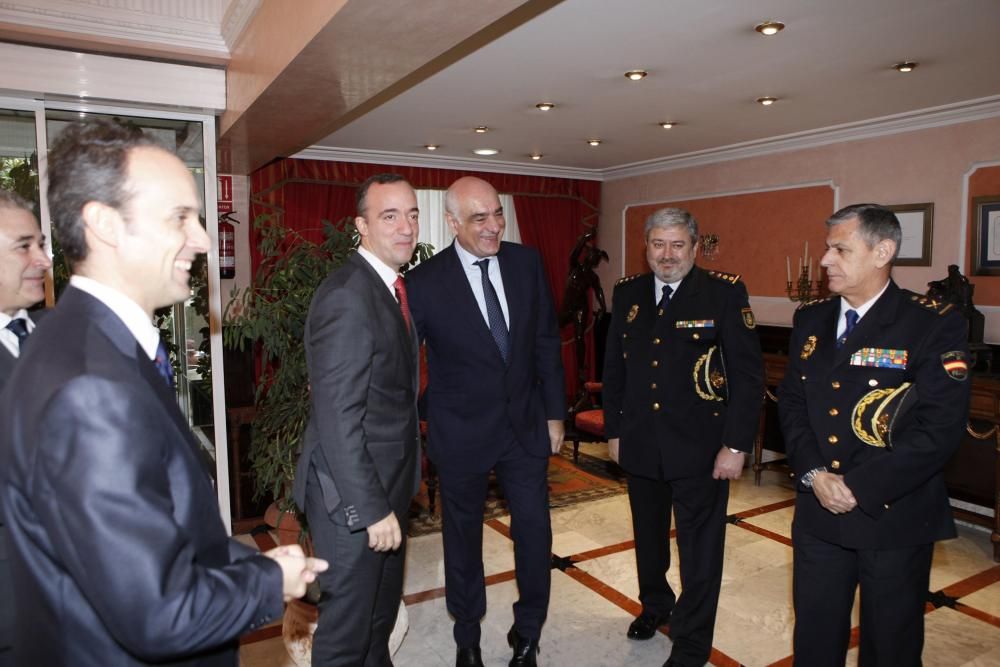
x: 659, y: 312
x: 886, y: 505
x: 715, y: 414
x: 873, y: 382
x: 696, y: 336
x: 832, y: 440
x: 834, y: 412
x: 835, y: 464
x: 656, y: 341
x: 652, y: 386
x: 624, y: 335
x: 835, y: 384
x: 803, y: 378
x: 624, y: 355
x: 655, y: 363
x: 656, y: 406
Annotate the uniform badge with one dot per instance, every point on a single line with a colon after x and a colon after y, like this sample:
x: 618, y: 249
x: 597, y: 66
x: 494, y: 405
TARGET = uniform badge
x: 808, y: 348
x: 748, y: 318
x: 878, y: 357
x: 694, y: 324
x: 955, y: 365
x: 633, y: 311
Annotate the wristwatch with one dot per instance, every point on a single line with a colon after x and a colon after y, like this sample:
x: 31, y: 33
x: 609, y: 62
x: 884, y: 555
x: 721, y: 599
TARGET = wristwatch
x: 807, y: 479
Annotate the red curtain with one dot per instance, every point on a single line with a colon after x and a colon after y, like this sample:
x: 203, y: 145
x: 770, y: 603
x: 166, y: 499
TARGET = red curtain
x: 551, y: 212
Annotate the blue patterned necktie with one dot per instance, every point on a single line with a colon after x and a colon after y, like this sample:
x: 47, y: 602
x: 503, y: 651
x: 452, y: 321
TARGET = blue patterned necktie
x: 852, y: 319
x: 494, y: 313
x: 20, y: 329
x: 162, y: 361
x: 665, y: 299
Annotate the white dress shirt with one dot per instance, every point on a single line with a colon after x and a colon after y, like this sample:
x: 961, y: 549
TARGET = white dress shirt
x: 384, y: 271
x: 8, y: 337
x: 475, y: 276
x: 860, y: 310
x: 658, y: 288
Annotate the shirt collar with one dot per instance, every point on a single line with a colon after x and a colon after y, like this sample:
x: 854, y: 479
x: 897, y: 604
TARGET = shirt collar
x: 5, y: 319
x: 128, y: 311
x: 468, y: 259
x: 384, y: 271
x: 865, y: 307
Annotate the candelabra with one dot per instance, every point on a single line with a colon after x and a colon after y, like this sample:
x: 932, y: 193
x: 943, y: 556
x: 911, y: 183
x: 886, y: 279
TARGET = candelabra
x: 804, y: 289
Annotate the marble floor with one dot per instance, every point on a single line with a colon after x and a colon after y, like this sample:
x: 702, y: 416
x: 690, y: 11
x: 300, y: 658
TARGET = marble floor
x: 594, y: 599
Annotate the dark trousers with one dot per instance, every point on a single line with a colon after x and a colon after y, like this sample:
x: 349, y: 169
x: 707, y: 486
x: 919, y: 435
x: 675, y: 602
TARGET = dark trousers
x: 360, y: 592
x: 699, y: 505
x: 894, y: 584
x: 524, y: 481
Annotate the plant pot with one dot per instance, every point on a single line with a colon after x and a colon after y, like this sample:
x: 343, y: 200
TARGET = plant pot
x: 299, y: 626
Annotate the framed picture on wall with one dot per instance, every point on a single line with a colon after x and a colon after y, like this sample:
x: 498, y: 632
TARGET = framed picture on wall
x: 986, y: 234
x: 917, y: 222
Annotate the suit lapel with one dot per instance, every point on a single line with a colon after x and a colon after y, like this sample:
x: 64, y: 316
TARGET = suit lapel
x: 381, y: 294
x: 514, y: 293
x: 464, y: 301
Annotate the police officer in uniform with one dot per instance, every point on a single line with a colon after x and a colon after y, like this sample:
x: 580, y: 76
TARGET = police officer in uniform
x: 682, y: 392
x: 872, y: 405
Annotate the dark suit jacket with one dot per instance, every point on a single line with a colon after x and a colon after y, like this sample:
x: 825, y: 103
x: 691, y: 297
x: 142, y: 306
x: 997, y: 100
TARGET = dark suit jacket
x: 473, y: 398
x: 656, y: 398
x: 902, y: 500
x: 362, y: 437
x: 7, y: 605
x: 118, y: 552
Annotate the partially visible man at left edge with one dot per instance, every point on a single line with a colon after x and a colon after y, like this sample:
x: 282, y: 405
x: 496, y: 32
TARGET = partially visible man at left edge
x: 23, y: 265
x: 118, y: 554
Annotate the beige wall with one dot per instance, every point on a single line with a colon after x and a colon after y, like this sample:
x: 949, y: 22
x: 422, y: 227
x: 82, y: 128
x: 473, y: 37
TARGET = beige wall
x: 930, y: 165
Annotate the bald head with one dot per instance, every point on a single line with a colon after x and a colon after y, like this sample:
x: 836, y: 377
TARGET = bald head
x: 474, y: 213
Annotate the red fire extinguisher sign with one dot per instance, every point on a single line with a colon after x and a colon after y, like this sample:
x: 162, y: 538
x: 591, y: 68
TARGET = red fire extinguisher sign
x: 227, y: 233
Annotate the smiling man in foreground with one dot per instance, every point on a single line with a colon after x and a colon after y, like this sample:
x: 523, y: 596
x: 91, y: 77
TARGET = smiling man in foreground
x: 873, y: 404
x: 118, y: 554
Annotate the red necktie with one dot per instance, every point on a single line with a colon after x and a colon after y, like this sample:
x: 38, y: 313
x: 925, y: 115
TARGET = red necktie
x: 404, y: 304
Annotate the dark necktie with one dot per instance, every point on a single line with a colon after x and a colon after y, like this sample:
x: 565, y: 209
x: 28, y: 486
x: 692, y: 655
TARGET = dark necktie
x: 404, y: 303
x: 494, y: 313
x: 162, y: 361
x: 20, y: 329
x: 665, y: 299
x: 852, y: 319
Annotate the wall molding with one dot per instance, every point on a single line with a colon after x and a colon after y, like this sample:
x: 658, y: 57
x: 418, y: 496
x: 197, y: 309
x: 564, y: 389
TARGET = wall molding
x: 911, y: 121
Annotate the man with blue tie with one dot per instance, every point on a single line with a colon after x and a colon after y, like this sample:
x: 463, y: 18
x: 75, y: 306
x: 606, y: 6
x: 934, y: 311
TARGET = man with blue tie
x: 117, y: 550
x: 873, y: 404
x: 495, y: 401
x: 23, y: 265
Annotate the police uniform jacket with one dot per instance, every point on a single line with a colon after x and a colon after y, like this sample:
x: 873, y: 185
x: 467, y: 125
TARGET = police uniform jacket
x: 678, y: 386
x: 852, y: 411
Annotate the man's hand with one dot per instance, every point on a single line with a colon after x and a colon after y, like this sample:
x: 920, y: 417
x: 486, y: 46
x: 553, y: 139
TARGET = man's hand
x: 297, y: 571
x: 557, y: 431
x: 728, y: 465
x: 385, y: 535
x: 613, y: 449
x: 832, y: 493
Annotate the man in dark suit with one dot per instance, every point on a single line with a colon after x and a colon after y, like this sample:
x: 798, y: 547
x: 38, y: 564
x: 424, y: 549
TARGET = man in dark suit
x: 873, y: 404
x: 118, y: 553
x: 495, y: 401
x: 23, y: 265
x: 683, y: 382
x: 359, y: 468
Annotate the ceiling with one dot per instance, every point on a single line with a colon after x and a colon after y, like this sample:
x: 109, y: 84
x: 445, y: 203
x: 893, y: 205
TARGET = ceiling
x: 832, y: 65
x: 831, y: 69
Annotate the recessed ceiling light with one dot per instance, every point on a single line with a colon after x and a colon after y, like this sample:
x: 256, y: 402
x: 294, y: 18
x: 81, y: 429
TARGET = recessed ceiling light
x: 666, y: 125
x: 769, y: 27
x: 482, y: 129
x: 431, y: 147
x: 486, y: 151
x: 767, y: 101
x: 636, y: 74
x: 594, y: 142
x: 537, y: 156
x: 545, y: 106
x: 907, y: 66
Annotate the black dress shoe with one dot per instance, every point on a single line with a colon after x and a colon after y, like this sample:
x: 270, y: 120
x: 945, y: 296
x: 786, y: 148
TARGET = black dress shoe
x: 525, y: 650
x: 645, y: 625
x: 469, y: 657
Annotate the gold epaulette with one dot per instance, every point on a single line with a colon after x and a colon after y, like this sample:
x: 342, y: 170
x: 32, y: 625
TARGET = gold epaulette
x: 628, y: 278
x: 930, y: 303
x: 813, y: 302
x: 731, y: 278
